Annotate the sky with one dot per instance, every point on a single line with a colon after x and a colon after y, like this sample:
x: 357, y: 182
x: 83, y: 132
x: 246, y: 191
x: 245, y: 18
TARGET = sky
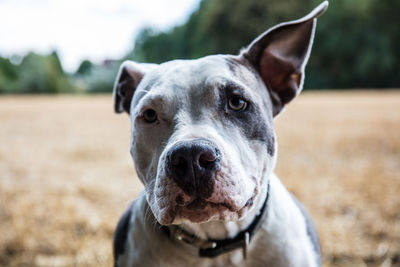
x: 83, y: 29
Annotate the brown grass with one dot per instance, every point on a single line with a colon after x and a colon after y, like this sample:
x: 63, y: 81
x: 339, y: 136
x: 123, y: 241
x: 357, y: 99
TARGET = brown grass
x: 66, y: 176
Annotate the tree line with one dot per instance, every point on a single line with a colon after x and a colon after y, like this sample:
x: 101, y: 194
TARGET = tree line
x: 36, y: 73
x: 357, y: 45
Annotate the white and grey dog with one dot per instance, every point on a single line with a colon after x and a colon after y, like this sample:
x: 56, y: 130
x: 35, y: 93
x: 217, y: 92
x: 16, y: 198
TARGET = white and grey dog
x: 203, y: 144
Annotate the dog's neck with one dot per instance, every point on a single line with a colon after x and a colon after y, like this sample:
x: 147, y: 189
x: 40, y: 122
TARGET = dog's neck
x: 216, y: 230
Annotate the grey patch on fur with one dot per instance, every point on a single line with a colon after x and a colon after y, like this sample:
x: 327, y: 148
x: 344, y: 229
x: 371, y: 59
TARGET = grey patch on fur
x: 254, y: 121
x: 121, y: 233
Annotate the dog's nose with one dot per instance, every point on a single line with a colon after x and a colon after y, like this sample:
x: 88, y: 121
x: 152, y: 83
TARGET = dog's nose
x: 193, y: 165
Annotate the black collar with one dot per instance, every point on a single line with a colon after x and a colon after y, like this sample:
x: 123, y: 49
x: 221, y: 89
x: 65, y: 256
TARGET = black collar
x: 214, y: 247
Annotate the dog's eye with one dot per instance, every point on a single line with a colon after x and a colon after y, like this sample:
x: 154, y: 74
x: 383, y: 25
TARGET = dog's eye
x: 236, y: 103
x: 150, y: 115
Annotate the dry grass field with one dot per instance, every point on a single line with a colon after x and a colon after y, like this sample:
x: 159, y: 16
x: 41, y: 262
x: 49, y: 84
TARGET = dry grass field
x: 66, y: 176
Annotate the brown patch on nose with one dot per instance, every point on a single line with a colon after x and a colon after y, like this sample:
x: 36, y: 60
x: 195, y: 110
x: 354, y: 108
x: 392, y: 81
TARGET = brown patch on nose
x: 197, y: 204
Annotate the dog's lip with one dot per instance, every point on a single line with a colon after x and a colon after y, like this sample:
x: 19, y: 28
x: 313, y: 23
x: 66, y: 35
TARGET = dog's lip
x: 198, y: 204
x: 200, y: 211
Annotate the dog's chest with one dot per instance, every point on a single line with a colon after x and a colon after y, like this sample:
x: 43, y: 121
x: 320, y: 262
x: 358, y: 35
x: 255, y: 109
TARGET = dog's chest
x: 281, y: 240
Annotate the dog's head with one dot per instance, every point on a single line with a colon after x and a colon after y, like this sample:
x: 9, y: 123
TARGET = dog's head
x: 203, y: 139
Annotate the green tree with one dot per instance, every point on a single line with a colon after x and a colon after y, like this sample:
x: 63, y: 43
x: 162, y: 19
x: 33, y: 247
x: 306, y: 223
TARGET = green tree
x: 8, y: 75
x: 100, y: 78
x: 42, y: 74
x: 223, y: 26
x: 356, y: 44
x: 85, y: 67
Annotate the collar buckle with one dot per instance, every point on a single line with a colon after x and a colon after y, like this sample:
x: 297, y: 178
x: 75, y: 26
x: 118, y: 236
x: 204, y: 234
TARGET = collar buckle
x: 181, y: 235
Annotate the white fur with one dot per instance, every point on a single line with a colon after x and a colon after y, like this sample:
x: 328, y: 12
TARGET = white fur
x: 246, y: 168
x: 282, y: 241
x: 243, y: 161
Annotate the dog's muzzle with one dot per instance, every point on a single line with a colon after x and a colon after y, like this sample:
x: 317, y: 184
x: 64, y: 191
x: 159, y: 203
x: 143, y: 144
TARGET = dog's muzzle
x: 193, y: 165
x: 212, y: 248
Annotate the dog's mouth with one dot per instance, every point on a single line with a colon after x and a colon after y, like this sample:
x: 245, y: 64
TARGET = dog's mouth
x: 200, y: 204
x: 200, y: 210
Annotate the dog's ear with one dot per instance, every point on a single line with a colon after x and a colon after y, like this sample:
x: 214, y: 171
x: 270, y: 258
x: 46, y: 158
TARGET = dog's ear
x: 128, y: 78
x: 280, y: 55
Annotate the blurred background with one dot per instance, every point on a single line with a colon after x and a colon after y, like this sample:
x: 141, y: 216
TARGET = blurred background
x: 76, y: 47
x: 65, y: 170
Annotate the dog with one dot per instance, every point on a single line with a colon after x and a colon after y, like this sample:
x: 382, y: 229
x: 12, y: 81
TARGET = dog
x: 204, y: 146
